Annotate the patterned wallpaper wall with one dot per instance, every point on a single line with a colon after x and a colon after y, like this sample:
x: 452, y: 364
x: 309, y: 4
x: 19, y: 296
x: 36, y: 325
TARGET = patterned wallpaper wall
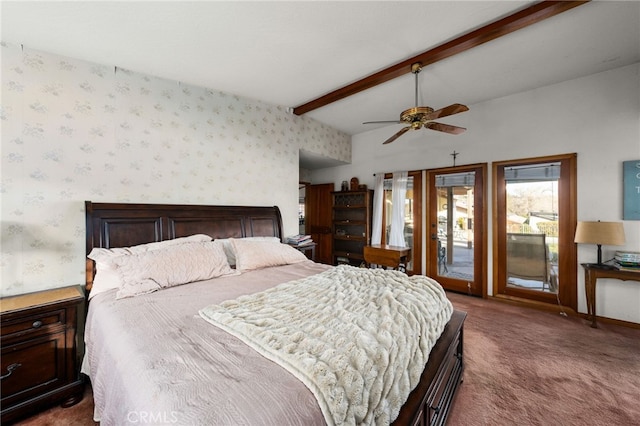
x: 75, y: 131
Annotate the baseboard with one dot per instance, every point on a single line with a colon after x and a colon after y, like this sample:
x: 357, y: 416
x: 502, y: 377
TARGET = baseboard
x: 549, y: 307
x: 613, y: 321
x: 518, y: 301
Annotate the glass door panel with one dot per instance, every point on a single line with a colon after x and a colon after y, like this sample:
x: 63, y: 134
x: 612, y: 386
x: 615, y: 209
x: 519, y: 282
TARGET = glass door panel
x: 456, y: 218
x: 412, y: 218
x: 532, y: 229
x: 408, y: 216
x: 455, y: 236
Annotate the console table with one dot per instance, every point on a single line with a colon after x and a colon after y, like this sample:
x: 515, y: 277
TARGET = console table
x: 593, y: 271
x: 385, y: 255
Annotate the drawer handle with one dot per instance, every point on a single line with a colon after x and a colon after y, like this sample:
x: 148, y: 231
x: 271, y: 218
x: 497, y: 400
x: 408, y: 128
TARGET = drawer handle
x: 37, y: 324
x: 10, y: 370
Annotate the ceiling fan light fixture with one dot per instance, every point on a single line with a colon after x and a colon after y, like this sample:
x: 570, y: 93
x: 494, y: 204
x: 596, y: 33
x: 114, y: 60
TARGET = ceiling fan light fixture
x: 414, y: 114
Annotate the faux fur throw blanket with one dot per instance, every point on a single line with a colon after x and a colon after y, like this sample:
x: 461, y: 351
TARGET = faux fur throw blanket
x: 357, y: 338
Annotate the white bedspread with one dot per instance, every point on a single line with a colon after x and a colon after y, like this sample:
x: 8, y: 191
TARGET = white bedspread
x: 357, y: 338
x: 153, y: 360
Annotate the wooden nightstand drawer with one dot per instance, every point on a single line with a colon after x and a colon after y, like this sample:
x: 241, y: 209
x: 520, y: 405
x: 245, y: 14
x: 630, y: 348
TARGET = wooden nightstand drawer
x: 40, y: 362
x: 32, y: 367
x: 43, y: 322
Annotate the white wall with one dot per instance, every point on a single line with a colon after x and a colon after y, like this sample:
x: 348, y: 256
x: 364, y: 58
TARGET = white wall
x: 597, y: 117
x: 75, y: 131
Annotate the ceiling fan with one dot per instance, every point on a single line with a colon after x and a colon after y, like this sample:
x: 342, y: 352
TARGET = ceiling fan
x: 423, y: 116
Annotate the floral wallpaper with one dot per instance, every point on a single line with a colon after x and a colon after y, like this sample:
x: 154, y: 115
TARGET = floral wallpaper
x: 75, y: 131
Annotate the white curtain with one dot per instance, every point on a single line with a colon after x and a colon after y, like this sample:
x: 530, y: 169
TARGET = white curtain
x: 378, y: 202
x: 398, y: 195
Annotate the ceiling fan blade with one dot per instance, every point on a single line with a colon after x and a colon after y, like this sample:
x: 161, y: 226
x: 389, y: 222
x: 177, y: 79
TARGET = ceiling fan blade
x: 446, y: 111
x: 397, y: 135
x: 390, y: 121
x: 447, y: 128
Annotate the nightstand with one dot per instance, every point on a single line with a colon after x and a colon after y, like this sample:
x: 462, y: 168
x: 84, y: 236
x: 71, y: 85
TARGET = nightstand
x: 39, y: 351
x: 309, y: 250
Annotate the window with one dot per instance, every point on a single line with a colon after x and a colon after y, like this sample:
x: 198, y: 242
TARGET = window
x: 412, y: 217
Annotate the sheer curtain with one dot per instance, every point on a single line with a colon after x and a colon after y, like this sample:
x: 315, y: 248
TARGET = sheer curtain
x: 398, y: 195
x: 378, y: 202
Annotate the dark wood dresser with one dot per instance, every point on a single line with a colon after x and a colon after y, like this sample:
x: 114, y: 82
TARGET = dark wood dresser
x: 40, y: 365
x: 351, y: 226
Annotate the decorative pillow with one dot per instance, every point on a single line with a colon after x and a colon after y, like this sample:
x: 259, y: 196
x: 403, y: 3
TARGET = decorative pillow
x: 228, y: 248
x: 153, y: 270
x: 107, y: 277
x: 261, y: 254
x: 105, y: 255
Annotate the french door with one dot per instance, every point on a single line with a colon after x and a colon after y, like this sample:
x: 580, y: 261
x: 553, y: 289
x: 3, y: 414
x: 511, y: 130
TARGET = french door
x: 456, y: 221
x: 534, y: 222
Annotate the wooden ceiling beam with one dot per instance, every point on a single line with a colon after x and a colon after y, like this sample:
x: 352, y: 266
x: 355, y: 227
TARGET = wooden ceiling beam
x: 531, y: 15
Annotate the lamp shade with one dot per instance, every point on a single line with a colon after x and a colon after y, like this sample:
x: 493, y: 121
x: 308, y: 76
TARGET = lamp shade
x: 601, y: 233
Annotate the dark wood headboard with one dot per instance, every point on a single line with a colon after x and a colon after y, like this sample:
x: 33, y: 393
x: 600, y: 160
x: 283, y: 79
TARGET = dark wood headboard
x: 122, y: 225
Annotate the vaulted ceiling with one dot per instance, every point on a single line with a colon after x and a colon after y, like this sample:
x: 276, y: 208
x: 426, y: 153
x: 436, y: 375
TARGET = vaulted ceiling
x: 290, y: 53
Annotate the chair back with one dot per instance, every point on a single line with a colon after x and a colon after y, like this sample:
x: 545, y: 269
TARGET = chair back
x: 527, y: 257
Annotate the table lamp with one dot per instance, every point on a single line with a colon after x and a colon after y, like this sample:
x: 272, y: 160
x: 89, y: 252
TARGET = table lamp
x: 599, y: 233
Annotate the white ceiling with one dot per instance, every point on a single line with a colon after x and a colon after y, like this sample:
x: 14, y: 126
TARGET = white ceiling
x: 288, y: 53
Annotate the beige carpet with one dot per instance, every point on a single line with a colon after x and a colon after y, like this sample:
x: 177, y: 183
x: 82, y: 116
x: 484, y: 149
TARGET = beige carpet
x: 523, y: 367
x: 529, y: 367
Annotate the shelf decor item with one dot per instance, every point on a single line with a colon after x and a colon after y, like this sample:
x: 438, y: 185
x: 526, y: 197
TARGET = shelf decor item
x: 354, y: 184
x: 627, y: 260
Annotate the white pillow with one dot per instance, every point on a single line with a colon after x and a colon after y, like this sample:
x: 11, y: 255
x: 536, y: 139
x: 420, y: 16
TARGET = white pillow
x: 107, y: 278
x: 228, y: 248
x: 105, y: 255
x: 149, y: 271
x: 261, y: 254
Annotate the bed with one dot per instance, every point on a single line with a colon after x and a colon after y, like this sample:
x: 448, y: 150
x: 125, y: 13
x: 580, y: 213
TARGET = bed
x: 153, y: 359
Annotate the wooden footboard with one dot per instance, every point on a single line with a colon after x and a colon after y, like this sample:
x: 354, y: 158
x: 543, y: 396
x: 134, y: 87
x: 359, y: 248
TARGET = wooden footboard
x: 431, y: 401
